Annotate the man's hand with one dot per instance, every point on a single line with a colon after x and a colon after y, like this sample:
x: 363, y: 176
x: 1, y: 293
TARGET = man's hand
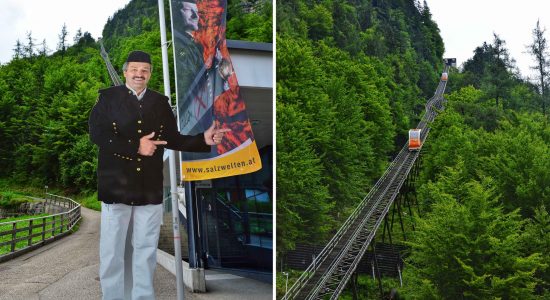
x: 214, y: 136
x: 147, y: 147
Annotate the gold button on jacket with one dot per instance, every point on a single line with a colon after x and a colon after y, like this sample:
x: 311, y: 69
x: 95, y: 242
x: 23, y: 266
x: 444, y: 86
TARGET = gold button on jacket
x: 116, y: 125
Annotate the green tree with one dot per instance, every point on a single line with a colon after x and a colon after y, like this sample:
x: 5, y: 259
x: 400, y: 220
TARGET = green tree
x: 356, y: 74
x: 44, y: 50
x: 78, y: 165
x: 303, y: 201
x: 499, y: 77
x: 520, y: 166
x: 468, y: 247
x: 77, y: 36
x: 319, y: 21
x: 62, y: 44
x: 539, y: 49
x: 29, y: 48
x: 250, y: 21
x: 536, y: 239
x: 18, y: 50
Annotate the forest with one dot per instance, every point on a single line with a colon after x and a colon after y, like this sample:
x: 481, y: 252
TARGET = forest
x: 352, y: 78
x: 46, y: 94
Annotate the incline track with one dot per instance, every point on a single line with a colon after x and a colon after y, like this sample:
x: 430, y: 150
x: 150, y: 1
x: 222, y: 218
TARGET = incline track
x: 331, y: 270
x: 112, y: 72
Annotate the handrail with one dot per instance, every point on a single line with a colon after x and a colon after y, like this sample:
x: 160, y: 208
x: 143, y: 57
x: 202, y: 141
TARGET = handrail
x: 385, y: 210
x: 316, y: 263
x: 367, y: 217
x: 65, y: 222
x: 234, y: 211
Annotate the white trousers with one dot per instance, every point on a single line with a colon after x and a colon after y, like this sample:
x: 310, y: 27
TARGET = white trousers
x: 125, y: 274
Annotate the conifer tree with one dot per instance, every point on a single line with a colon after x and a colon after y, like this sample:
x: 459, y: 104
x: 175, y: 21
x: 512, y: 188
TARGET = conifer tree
x: 18, y: 50
x: 468, y: 247
x: 499, y: 71
x: 539, y: 50
x: 44, y: 50
x: 62, y: 44
x: 77, y: 36
x: 29, y: 48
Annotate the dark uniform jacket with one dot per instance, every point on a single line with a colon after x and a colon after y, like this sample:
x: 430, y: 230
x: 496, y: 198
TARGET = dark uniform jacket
x: 117, y: 122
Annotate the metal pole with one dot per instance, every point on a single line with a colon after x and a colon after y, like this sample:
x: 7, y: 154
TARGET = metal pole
x: 194, y: 241
x: 377, y: 269
x: 286, y: 282
x: 172, y: 161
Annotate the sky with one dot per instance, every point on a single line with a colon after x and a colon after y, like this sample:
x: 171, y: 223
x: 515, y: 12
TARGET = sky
x: 44, y: 19
x: 466, y: 24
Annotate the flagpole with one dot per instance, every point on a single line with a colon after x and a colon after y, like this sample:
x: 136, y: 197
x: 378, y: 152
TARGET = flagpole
x: 172, y: 161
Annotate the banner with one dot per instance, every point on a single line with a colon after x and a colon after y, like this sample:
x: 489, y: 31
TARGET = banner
x: 207, y: 91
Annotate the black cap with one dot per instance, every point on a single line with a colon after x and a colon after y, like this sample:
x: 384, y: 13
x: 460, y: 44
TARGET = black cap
x: 139, y: 56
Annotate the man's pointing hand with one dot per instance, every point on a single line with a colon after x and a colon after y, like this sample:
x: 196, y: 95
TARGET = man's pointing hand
x: 147, y: 146
x: 213, y: 135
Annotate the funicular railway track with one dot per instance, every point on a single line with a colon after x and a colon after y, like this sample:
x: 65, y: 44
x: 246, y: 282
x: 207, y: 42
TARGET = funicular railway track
x: 331, y: 270
x: 112, y: 72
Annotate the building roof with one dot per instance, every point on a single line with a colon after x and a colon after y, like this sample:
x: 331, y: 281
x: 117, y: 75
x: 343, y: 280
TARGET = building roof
x: 247, y: 45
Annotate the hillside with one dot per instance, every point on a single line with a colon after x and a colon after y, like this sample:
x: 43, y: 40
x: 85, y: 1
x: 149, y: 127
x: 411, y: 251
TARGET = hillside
x: 352, y: 77
x: 483, y: 189
x: 45, y: 98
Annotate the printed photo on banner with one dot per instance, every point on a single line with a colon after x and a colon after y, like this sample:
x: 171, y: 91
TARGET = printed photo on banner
x: 207, y: 91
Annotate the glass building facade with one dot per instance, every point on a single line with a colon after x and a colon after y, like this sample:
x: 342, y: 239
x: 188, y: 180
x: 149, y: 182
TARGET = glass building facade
x: 232, y: 217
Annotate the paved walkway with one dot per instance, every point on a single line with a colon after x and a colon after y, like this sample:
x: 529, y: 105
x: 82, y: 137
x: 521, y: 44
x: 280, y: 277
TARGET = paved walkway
x: 68, y: 269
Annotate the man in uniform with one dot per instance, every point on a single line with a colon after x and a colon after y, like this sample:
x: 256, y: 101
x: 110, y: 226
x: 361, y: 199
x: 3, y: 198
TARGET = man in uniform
x: 131, y: 126
x: 189, y: 52
x: 198, y: 82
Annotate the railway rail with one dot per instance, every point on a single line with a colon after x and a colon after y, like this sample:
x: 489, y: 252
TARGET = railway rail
x: 328, y: 274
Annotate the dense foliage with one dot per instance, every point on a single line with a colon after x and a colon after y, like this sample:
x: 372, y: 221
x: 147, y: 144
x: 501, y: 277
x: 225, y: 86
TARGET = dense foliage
x: 485, y: 232
x: 45, y: 97
x: 250, y: 20
x: 12, y: 201
x: 44, y: 106
x: 352, y: 78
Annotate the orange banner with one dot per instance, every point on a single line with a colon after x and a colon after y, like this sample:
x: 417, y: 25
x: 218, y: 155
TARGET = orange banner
x: 207, y: 91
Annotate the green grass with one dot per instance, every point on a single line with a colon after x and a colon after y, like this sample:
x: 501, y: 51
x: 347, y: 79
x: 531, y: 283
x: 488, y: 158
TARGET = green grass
x: 281, y: 281
x: 90, y: 202
x: 21, y: 218
x: 8, y: 186
x: 22, y: 244
x: 10, y: 200
x: 14, y: 190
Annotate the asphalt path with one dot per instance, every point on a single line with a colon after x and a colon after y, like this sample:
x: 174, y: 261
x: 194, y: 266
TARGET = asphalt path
x: 67, y: 269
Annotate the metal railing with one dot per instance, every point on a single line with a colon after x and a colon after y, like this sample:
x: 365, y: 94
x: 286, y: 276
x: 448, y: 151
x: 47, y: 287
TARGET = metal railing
x: 330, y: 271
x: 22, y: 236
